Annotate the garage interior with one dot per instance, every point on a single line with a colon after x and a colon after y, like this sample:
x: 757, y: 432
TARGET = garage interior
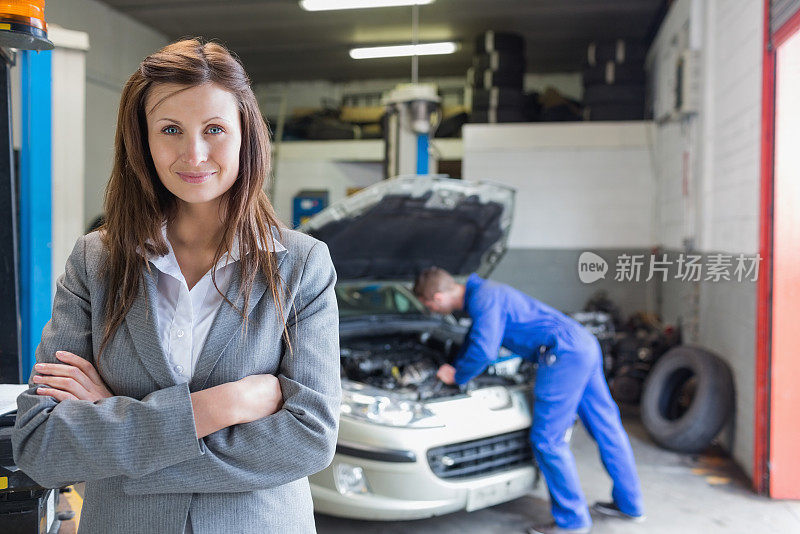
x: 705, y: 167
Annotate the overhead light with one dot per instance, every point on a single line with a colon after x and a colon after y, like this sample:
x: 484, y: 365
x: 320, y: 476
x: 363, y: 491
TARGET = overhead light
x: 326, y: 5
x: 427, y: 49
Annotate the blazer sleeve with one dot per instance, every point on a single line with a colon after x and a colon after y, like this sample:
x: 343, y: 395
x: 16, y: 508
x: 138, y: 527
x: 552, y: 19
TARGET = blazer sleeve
x: 298, y: 440
x: 57, y: 443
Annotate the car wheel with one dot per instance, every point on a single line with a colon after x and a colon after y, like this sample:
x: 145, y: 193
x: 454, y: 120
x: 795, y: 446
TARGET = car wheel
x: 687, y: 399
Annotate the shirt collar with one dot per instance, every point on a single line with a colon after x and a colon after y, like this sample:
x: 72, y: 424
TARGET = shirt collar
x: 168, y: 263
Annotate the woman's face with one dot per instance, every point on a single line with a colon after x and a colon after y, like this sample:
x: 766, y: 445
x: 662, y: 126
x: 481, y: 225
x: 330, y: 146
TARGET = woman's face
x: 194, y: 136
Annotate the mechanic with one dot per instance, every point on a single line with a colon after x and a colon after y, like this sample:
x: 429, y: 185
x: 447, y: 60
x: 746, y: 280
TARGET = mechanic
x: 569, y: 382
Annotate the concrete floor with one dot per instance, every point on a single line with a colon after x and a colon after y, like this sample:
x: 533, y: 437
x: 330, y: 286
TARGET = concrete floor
x: 683, y: 494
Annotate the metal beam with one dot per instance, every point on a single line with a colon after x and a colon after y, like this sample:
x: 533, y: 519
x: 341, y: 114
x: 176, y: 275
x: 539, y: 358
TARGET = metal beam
x: 36, y: 203
x: 10, y: 368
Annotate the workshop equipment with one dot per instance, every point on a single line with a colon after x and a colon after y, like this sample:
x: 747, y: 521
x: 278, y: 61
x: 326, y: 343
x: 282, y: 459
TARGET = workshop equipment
x: 413, y: 111
x: 25, y: 506
x: 307, y: 203
x: 22, y: 25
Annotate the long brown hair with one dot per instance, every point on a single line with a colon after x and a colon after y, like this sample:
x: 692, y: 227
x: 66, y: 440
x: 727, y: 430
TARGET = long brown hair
x: 137, y: 203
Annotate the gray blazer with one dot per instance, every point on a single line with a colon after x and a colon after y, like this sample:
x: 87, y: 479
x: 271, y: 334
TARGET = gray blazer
x: 145, y: 469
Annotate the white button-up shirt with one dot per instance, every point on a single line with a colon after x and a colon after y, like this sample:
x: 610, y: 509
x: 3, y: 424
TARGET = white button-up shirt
x: 184, y: 315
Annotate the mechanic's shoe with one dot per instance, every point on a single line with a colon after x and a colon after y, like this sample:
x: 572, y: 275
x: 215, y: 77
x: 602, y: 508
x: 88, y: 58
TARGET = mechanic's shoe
x: 552, y: 528
x: 611, y: 509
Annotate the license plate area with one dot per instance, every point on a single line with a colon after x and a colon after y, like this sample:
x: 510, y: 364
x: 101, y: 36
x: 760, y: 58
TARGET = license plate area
x: 498, y: 492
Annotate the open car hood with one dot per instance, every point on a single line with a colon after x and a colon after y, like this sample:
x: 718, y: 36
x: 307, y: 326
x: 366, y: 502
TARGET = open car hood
x: 395, y: 228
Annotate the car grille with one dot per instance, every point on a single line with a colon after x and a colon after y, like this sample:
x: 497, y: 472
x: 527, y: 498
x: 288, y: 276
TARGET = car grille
x: 481, y: 456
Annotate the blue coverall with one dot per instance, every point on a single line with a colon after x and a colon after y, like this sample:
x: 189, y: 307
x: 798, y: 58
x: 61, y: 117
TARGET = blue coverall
x: 569, y: 381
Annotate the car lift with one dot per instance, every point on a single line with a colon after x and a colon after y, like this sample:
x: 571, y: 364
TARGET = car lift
x: 25, y: 506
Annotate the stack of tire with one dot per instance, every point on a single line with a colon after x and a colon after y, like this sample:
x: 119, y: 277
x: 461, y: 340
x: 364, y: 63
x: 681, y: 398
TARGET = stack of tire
x: 614, y: 81
x: 496, y: 78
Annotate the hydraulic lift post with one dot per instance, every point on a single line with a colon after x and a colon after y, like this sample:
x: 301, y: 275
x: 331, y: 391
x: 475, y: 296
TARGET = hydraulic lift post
x: 10, y: 343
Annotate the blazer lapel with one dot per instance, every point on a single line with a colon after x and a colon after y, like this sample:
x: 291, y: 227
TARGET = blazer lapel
x: 141, y: 323
x: 227, y: 323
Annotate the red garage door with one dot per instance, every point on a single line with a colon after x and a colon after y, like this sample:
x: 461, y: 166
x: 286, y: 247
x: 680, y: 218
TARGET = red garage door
x: 778, y: 369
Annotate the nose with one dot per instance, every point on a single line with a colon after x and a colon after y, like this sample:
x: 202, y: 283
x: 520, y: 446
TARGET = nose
x: 195, y: 151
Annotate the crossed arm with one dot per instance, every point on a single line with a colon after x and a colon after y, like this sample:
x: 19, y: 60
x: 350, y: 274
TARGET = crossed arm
x: 215, y: 408
x: 78, y: 431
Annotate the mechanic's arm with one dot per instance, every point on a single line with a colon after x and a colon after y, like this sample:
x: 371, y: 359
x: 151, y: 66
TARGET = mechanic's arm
x: 299, y: 439
x: 483, y: 340
x: 57, y: 443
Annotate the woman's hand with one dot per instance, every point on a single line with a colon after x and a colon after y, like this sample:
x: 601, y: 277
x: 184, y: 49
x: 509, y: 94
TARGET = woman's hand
x: 258, y: 396
x: 233, y: 403
x: 76, y: 378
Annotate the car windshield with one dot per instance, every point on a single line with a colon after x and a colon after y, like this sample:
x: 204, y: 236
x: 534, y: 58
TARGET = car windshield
x: 377, y: 299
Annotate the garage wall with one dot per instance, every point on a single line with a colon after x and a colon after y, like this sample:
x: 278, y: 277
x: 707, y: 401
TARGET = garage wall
x: 580, y: 187
x: 728, y: 311
x: 708, y: 184
x: 117, y: 45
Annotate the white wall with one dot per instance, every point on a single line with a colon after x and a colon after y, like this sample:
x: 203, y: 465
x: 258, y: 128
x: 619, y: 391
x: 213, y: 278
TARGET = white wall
x: 732, y: 113
x: 579, y: 185
x: 333, y: 166
x: 708, y: 181
x: 731, y: 195
x: 118, y: 44
x: 68, y: 144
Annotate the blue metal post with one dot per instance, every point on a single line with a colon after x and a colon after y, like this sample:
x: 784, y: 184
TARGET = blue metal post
x: 36, y: 203
x: 422, y: 154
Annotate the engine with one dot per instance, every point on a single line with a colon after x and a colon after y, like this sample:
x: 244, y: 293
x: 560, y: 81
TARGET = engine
x: 407, y: 363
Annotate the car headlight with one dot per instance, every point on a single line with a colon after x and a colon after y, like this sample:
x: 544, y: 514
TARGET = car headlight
x: 381, y: 407
x: 350, y: 479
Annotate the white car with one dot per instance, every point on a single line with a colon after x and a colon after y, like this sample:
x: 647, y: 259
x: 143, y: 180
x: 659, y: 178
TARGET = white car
x: 409, y: 446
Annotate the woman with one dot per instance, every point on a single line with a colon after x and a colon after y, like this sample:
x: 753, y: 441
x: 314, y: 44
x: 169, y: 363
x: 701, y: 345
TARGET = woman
x: 190, y: 370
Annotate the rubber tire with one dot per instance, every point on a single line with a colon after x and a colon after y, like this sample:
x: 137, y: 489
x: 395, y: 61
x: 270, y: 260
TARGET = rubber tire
x: 613, y: 94
x: 498, y: 97
x: 499, y: 61
x: 491, y: 41
x: 500, y: 114
x: 614, y: 112
x: 486, y: 79
x: 622, y: 74
x: 599, y: 52
x: 710, y: 408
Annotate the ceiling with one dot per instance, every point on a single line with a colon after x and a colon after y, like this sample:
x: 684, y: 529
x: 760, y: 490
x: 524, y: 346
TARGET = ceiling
x: 278, y: 41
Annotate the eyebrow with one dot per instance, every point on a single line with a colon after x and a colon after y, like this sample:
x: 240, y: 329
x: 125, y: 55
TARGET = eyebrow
x: 179, y: 122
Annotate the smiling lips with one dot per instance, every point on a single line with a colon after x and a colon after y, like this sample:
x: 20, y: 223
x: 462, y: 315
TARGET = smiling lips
x: 195, y: 177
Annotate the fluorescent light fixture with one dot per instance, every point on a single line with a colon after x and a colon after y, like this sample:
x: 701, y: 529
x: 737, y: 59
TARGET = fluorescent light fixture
x: 326, y: 5
x: 428, y: 49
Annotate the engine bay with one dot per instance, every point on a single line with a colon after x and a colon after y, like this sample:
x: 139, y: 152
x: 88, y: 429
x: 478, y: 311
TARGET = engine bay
x: 407, y: 363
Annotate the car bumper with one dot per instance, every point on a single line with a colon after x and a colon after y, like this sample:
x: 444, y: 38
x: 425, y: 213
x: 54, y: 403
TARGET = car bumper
x: 440, y: 497
x: 400, y: 482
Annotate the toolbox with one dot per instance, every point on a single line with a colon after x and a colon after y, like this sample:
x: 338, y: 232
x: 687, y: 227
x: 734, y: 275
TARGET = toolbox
x: 25, y: 506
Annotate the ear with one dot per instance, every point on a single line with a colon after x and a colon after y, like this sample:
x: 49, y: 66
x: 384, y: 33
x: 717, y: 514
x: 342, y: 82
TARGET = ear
x: 439, y: 297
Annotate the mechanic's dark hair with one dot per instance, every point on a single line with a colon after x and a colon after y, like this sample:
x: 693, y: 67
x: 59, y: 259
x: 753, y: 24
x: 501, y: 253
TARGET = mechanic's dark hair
x: 432, y: 280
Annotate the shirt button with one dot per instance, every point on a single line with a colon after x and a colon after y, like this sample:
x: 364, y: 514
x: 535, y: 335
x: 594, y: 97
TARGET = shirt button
x: 179, y: 333
x: 179, y: 369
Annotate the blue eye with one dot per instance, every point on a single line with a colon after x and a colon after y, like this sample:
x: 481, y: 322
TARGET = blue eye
x: 168, y: 128
x: 219, y: 130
